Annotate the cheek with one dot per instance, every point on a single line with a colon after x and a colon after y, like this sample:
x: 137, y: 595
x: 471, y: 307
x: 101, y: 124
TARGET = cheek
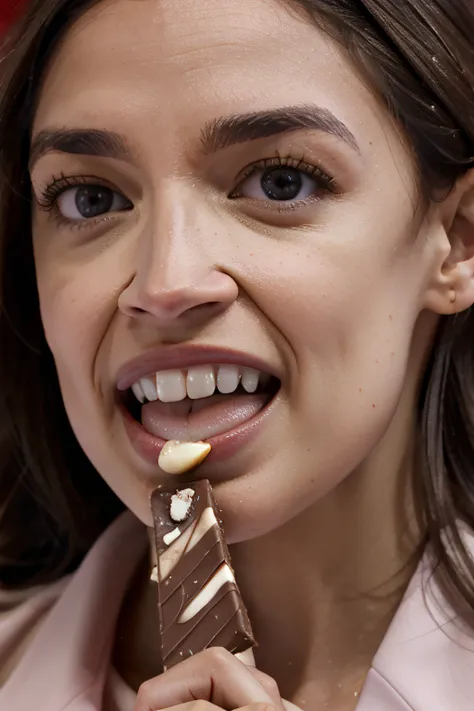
x: 78, y: 300
x: 66, y: 304
x: 348, y: 313
x: 337, y: 303
x: 78, y: 297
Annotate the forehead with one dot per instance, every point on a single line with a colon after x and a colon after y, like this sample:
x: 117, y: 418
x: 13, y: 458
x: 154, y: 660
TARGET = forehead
x: 176, y: 62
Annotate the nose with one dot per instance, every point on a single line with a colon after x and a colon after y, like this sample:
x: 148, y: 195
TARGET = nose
x: 175, y: 284
x: 179, y: 303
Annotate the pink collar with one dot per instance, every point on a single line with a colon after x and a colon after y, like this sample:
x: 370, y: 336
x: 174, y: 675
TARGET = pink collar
x: 425, y: 663
x: 66, y: 665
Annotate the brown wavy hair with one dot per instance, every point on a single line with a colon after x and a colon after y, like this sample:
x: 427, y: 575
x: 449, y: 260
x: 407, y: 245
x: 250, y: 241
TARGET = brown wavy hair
x: 417, y: 56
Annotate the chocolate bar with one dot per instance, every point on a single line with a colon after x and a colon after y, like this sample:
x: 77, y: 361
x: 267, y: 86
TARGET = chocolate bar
x: 199, y: 604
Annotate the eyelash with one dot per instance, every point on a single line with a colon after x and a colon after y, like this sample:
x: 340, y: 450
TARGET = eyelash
x: 325, y: 181
x: 47, y: 201
x: 58, y: 185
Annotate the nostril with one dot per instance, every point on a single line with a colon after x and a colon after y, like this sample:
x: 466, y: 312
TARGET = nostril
x: 202, y: 309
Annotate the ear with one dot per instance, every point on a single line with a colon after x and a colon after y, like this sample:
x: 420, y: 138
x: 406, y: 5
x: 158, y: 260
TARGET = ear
x: 452, y: 286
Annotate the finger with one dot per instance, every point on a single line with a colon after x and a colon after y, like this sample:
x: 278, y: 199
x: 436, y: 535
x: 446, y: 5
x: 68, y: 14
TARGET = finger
x: 213, y: 675
x: 192, y: 706
x: 246, y: 657
x: 207, y: 706
x: 270, y: 686
x: 256, y: 707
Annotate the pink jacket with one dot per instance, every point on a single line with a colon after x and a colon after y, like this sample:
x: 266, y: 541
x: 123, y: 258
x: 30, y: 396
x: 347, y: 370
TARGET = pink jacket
x: 425, y: 663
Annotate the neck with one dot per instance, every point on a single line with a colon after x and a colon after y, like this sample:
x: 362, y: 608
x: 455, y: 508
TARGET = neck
x: 323, y: 589
x: 318, y: 637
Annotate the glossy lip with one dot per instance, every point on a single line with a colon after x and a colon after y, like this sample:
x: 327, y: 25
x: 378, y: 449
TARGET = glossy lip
x: 225, y: 445
x: 177, y: 357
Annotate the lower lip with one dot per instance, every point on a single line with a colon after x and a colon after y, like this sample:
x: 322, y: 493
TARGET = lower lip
x: 223, y: 446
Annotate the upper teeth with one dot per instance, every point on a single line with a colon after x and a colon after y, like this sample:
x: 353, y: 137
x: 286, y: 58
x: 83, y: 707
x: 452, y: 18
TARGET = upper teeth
x: 196, y: 382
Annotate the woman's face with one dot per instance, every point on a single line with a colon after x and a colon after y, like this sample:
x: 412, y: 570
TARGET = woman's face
x: 216, y: 186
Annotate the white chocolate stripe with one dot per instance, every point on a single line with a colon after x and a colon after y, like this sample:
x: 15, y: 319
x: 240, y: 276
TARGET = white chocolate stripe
x: 221, y: 577
x: 185, y: 542
x: 206, y: 521
x: 168, y: 559
x: 170, y: 537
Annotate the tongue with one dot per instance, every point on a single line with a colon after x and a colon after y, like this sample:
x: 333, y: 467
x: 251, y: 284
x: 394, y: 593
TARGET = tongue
x: 195, y: 420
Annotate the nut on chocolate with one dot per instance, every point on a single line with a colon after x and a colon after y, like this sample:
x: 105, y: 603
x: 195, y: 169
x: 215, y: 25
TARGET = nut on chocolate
x: 179, y: 457
x: 180, y: 504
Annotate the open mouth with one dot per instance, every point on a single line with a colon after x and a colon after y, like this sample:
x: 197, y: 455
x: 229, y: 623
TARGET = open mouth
x: 199, y: 402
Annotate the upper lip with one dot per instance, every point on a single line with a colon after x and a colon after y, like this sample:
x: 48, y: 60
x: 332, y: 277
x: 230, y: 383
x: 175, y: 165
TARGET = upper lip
x: 180, y: 357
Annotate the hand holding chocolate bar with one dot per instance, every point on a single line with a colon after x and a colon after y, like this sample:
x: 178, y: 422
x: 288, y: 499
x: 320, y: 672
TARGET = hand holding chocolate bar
x: 203, y: 622
x: 214, y: 676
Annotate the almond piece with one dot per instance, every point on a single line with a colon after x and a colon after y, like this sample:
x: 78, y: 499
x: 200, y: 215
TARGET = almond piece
x: 179, y: 457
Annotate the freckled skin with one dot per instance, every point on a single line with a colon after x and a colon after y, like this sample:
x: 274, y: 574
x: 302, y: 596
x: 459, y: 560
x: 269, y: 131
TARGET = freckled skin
x: 312, y: 300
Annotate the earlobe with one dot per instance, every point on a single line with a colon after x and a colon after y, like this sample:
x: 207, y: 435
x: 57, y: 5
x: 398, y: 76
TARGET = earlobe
x: 452, y: 290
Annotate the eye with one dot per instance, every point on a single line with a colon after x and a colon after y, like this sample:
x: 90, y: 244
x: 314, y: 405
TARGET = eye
x: 279, y: 183
x: 88, y: 201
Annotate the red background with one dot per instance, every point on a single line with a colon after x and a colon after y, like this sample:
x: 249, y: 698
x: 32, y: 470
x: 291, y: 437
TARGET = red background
x: 9, y: 9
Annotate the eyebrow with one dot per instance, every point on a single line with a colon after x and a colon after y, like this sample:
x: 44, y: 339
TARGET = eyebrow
x: 224, y: 132
x: 216, y: 135
x: 90, y: 142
